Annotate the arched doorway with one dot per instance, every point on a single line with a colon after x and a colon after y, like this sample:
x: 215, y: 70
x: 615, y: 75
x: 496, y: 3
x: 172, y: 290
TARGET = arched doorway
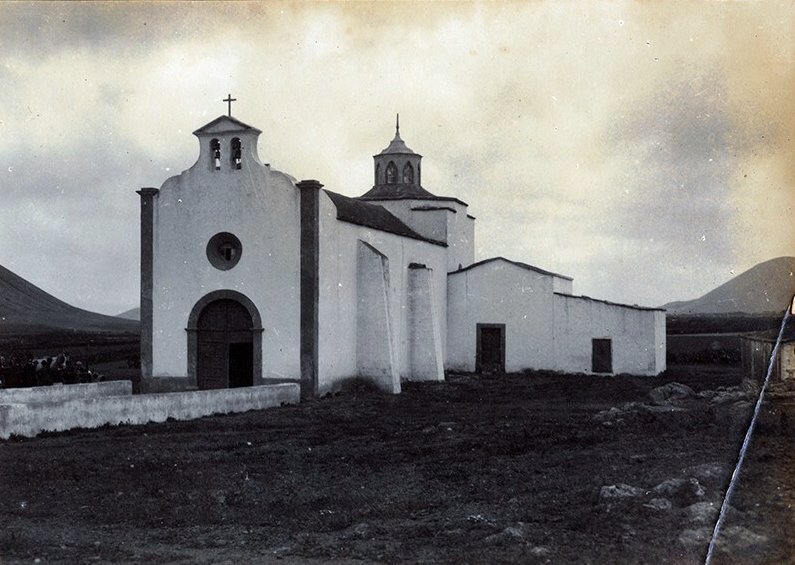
x: 224, y: 342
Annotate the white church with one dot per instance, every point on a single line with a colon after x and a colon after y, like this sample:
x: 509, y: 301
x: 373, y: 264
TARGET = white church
x: 249, y: 277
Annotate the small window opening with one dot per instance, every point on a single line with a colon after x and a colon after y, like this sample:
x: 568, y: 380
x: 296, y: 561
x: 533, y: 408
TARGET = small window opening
x: 391, y: 173
x: 408, y: 174
x: 215, y: 151
x: 224, y: 251
x: 237, y: 152
x: 228, y: 251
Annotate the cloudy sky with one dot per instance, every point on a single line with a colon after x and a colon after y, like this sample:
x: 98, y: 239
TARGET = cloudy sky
x: 644, y: 148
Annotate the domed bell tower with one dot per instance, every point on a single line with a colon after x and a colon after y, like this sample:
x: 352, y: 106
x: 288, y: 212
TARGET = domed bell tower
x: 397, y: 164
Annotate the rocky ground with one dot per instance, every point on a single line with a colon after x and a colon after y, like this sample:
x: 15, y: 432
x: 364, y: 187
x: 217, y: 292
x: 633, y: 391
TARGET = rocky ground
x: 535, y: 468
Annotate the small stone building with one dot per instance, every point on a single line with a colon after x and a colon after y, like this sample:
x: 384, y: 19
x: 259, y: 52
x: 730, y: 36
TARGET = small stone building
x: 250, y: 277
x: 757, y: 348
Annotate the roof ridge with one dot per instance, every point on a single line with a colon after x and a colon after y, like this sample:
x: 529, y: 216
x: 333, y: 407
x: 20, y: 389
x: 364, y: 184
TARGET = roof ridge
x: 515, y: 263
x: 354, y: 210
x: 222, y: 117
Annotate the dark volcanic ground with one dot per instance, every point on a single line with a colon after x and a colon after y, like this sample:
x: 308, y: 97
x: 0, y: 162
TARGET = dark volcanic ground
x: 499, y: 469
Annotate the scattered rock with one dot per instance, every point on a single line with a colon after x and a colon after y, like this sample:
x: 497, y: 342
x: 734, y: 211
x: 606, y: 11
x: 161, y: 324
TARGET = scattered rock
x: 683, y: 492
x: 705, y: 512
x: 707, y: 471
x: 741, y: 408
x: 540, y: 551
x: 750, y: 387
x: 481, y: 519
x: 519, y: 531
x: 620, y: 490
x: 658, y: 504
x: 736, y: 539
x: 701, y: 537
x: 663, y: 406
x: 362, y: 530
x: 671, y: 391
x: 281, y: 550
x: 516, y: 533
x: 610, y: 416
x: 707, y: 394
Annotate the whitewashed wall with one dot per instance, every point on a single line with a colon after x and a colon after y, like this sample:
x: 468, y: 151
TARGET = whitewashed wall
x: 337, y: 317
x: 637, y: 335
x: 457, y: 229
x: 259, y: 206
x: 499, y: 292
x: 787, y: 361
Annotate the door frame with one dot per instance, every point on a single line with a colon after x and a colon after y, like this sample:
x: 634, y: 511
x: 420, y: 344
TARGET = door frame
x: 193, y: 331
x: 602, y: 340
x: 478, y: 345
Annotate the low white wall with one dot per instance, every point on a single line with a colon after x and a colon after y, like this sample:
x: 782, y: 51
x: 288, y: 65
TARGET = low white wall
x: 30, y: 419
x: 637, y: 336
x: 58, y: 393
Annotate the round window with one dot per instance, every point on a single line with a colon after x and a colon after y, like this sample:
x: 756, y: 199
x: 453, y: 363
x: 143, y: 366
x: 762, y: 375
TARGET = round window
x: 224, y: 251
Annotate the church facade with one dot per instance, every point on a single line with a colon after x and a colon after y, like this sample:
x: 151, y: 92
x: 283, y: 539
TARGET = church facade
x: 250, y: 277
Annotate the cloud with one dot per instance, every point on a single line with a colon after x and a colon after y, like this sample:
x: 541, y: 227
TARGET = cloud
x: 604, y: 141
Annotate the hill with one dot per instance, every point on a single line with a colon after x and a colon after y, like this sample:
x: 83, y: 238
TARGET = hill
x: 131, y: 314
x: 25, y: 309
x: 767, y: 287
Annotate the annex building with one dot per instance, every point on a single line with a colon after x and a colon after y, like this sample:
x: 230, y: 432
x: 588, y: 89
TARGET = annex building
x: 249, y: 277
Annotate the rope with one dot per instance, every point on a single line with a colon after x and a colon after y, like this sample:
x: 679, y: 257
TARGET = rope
x: 725, y: 506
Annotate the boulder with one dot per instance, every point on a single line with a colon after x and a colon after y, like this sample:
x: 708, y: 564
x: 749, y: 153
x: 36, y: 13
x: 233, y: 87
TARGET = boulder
x: 620, y: 490
x: 658, y: 504
x: 704, y: 512
x: 682, y: 492
x: 671, y: 391
x: 696, y: 537
x: 737, y: 540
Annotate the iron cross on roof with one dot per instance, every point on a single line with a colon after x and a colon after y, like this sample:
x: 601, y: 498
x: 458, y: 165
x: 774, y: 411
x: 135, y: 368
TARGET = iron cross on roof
x: 229, y: 100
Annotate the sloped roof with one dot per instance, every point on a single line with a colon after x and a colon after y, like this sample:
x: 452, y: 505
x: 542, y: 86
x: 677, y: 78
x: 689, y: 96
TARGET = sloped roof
x: 771, y: 336
x: 373, y: 216
x: 397, y: 146
x: 397, y: 191
x: 515, y: 263
x: 236, y: 125
x: 589, y: 299
x: 405, y: 192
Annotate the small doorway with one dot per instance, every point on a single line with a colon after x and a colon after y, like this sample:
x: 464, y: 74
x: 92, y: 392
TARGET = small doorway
x: 602, y: 356
x: 241, y: 364
x: 225, y: 348
x: 490, y: 349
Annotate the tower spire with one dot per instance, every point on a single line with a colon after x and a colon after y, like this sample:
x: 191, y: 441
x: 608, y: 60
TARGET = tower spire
x: 397, y: 124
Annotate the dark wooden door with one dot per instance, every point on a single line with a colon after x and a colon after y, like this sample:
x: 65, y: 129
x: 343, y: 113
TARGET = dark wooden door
x: 602, y: 356
x: 490, y: 354
x: 241, y: 364
x: 224, y: 346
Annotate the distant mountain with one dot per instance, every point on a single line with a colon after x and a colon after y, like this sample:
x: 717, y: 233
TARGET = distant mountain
x: 767, y: 287
x: 25, y: 309
x: 131, y: 314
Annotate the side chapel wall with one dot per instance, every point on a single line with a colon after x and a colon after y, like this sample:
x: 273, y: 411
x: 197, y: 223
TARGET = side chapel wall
x: 339, y: 292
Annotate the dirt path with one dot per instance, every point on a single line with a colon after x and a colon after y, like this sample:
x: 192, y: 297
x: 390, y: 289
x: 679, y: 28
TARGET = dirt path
x: 506, y: 469
x: 760, y: 524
